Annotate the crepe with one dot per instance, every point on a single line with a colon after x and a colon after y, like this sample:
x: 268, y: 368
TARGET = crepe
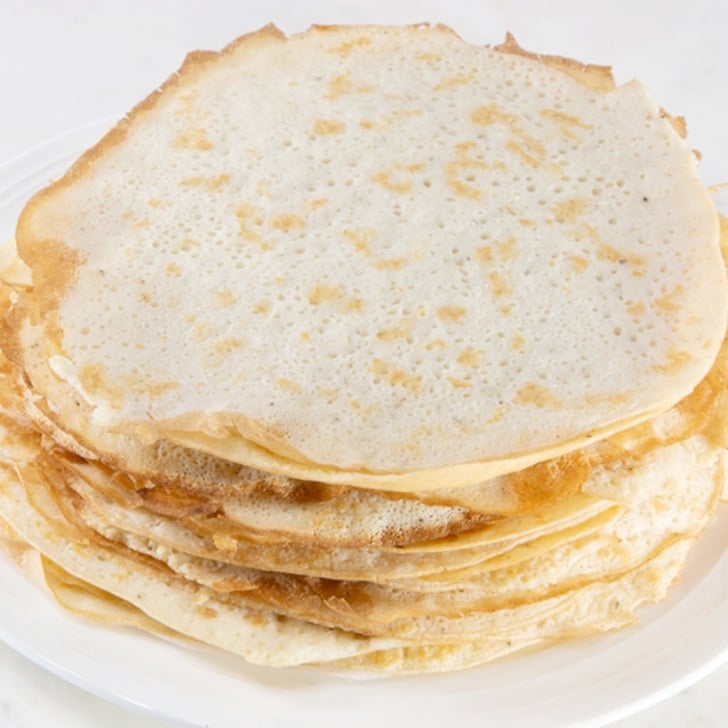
x: 520, y: 279
x: 256, y: 614
x: 367, y: 349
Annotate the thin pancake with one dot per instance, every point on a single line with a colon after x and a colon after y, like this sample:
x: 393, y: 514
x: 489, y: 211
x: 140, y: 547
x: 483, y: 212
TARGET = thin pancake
x: 474, y: 379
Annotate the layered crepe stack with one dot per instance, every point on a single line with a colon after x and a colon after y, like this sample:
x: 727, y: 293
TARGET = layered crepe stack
x: 368, y: 348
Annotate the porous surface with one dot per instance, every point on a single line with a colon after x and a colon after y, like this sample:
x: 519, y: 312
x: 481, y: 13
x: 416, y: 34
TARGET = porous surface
x: 380, y: 250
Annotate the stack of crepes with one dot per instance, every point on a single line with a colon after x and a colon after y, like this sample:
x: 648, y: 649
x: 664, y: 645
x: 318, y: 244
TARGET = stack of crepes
x: 368, y: 348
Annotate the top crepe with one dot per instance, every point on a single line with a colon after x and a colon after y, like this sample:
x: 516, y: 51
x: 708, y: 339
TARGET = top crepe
x: 379, y: 256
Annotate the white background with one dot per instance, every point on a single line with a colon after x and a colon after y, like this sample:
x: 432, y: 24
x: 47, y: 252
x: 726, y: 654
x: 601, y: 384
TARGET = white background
x: 67, y: 62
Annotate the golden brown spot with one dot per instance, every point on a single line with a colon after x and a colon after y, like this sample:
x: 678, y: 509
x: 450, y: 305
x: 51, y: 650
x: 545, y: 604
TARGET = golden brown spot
x: 227, y: 345
x: 462, y: 162
x: 503, y: 249
x: 564, y: 118
x: 384, y: 180
x: 470, y: 357
x: 261, y: 189
x: 141, y: 225
x: 361, y: 238
x: 566, y: 122
x: 172, y: 269
x: 186, y: 245
x: 612, y: 255
x: 607, y: 252
x: 93, y: 380
x: 326, y: 127
x: 212, y: 183
x: 637, y: 309
x: 451, y: 313
x: 666, y: 304
x: 678, y: 123
x: 537, y: 395
x: 356, y: 405
x: 463, y: 189
x: 526, y: 222
x: 531, y: 153
x: 458, y: 383
x: 305, y: 336
x: 147, y: 297
x: 328, y: 391
x: 288, y: 385
x: 389, y: 263
x: 321, y: 293
x: 392, y: 334
x: 525, y: 146
x: 202, y: 331
x: 187, y: 100
x: 492, y: 114
x: 257, y: 619
x: 615, y: 399
x: 396, y: 376
x: 193, y: 139
x: 244, y: 212
x: 518, y: 343
x: 262, y: 307
x: 252, y: 152
x: 155, y: 202
x: 454, y: 81
x: 344, y: 49
x: 353, y: 305
x: 317, y: 203
x: 398, y: 177
x: 378, y: 367
x: 676, y: 360
x: 396, y: 332
x: 287, y: 222
x: 435, y: 344
x: 128, y: 215
x: 224, y: 297
x: 498, y: 285
x: 399, y: 114
x: 507, y: 249
x: 366, y: 124
x: 341, y: 85
x: 578, y: 263
x: 156, y: 388
x: 463, y: 158
x: 425, y: 56
x: 485, y: 254
x: 497, y: 414
x: 569, y: 210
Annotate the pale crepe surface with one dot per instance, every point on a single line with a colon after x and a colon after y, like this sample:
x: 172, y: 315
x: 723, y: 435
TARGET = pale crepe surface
x: 503, y: 321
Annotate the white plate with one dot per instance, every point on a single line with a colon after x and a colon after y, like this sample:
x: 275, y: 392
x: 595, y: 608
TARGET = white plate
x: 587, y: 682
